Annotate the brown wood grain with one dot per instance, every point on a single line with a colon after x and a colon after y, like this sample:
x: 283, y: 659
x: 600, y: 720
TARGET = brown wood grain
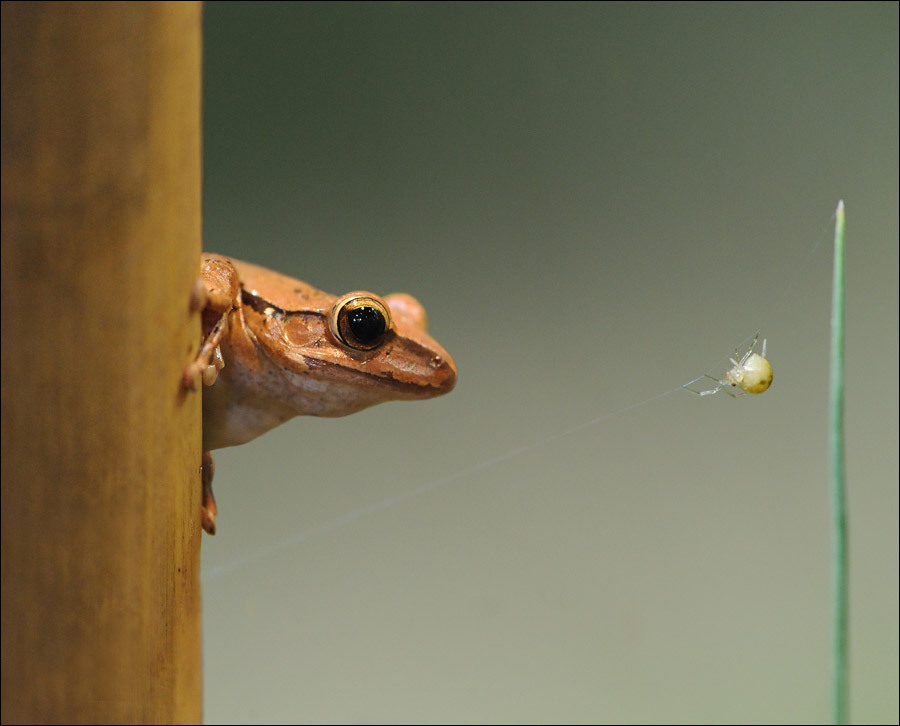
x: 100, y: 446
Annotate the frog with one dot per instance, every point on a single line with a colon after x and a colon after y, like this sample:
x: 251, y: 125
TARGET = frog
x: 274, y: 347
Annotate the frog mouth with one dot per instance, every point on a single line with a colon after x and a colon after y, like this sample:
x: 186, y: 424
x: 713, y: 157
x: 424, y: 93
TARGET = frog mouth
x: 387, y: 385
x: 318, y: 366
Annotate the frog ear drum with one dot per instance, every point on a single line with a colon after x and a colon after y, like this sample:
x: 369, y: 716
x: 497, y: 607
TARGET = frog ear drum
x: 360, y: 321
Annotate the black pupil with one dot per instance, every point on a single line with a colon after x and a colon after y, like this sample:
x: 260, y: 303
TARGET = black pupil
x: 366, y: 323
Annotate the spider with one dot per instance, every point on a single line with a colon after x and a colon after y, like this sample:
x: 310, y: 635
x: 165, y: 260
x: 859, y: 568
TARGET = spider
x: 752, y: 374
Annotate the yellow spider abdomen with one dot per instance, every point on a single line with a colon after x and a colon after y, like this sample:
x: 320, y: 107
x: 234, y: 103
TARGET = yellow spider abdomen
x: 753, y: 376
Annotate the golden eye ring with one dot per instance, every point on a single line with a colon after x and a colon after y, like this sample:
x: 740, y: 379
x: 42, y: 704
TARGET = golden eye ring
x: 360, y: 321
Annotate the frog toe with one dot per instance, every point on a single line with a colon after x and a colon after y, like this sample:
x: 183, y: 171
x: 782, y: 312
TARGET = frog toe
x: 208, y: 510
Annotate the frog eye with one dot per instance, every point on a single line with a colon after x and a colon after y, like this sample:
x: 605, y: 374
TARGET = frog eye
x: 360, y: 321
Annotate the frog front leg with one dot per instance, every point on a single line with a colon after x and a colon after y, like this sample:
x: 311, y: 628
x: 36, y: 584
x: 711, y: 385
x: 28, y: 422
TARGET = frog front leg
x: 216, y: 294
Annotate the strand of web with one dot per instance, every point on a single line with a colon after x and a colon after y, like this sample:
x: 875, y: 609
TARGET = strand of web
x: 389, y: 502
x: 774, y: 305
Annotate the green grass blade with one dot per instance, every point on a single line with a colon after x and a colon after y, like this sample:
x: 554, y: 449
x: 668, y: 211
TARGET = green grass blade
x: 838, y: 495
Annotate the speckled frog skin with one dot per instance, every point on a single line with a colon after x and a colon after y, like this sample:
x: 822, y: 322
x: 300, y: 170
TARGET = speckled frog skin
x: 275, y: 347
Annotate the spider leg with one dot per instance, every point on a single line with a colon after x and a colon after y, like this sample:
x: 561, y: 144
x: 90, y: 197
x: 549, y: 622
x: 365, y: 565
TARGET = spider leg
x: 709, y: 392
x: 729, y: 389
x: 744, y: 358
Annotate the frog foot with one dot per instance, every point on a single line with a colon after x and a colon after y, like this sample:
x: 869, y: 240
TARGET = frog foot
x: 206, y: 366
x: 208, y: 510
x: 209, y: 361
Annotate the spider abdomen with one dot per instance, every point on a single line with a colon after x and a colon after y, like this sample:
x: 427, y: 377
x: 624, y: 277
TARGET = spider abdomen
x: 754, y: 375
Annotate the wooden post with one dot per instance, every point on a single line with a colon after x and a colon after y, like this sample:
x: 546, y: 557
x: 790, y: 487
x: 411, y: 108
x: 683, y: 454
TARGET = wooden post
x: 100, y: 446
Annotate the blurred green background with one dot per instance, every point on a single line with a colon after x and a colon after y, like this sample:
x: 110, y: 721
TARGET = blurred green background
x: 595, y: 203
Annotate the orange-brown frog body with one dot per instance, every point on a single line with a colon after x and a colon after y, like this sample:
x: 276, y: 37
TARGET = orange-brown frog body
x: 275, y: 347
